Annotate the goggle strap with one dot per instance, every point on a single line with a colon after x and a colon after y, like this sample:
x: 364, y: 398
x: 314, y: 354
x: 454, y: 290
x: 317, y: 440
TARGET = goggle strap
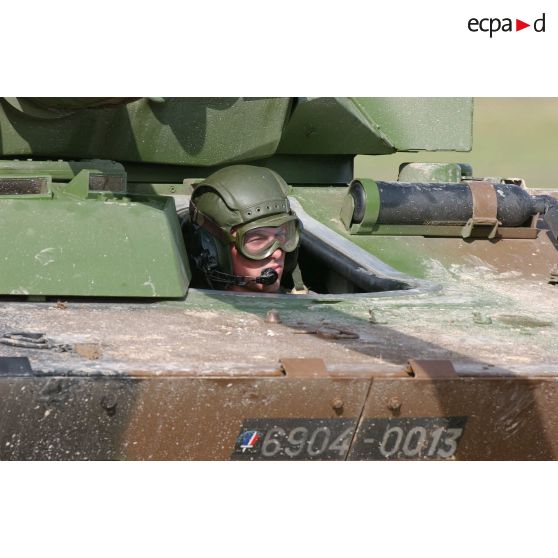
x: 209, y: 225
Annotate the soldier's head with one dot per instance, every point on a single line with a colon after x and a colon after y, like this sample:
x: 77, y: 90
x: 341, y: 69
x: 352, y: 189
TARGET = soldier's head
x: 244, y: 228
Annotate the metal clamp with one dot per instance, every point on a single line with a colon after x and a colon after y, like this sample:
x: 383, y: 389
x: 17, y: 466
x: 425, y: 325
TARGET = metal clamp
x: 485, y: 210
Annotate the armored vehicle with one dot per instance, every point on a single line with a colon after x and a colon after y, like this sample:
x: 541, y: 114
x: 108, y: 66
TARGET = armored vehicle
x: 428, y: 329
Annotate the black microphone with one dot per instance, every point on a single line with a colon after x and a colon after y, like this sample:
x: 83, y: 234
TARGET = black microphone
x: 267, y: 277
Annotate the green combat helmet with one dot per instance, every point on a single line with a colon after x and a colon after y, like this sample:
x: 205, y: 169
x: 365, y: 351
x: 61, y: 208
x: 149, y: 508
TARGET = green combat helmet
x: 226, y: 208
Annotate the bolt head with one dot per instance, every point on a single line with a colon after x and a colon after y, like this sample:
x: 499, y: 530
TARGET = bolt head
x: 394, y: 404
x: 109, y: 402
x: 337, y: 403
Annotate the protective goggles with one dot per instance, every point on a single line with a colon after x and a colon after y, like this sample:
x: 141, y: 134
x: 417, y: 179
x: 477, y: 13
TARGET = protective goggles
x: 258, y: 240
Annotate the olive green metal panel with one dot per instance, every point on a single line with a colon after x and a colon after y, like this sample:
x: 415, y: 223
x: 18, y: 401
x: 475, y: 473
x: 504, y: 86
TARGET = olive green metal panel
x: 376, y: 125
x: 332, y: 125
x: 430, y: 172
x: 191, y: 131
x: 60, y: 170
x: 422, y: 123
x: 101, y: 245
x: 212, y: 131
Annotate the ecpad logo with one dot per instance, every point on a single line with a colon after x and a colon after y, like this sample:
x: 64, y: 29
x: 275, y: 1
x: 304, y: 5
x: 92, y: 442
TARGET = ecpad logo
x: 494, y: 24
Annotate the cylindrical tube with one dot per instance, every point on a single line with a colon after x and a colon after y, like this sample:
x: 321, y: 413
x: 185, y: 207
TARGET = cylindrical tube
x: 408, y: 203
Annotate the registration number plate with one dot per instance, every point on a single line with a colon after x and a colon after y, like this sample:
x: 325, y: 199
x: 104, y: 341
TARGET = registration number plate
x: 339, y: 439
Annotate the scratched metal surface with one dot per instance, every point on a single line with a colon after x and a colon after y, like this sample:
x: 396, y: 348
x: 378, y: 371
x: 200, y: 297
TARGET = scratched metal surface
x: 510, y: 327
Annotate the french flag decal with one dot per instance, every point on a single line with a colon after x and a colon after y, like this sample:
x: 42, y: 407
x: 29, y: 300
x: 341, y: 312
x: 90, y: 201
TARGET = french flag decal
x: 248, y: 440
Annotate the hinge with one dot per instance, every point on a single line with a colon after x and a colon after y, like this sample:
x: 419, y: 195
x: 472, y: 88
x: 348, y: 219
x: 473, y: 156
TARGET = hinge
x: 303, y: 367
x: 432, y: 369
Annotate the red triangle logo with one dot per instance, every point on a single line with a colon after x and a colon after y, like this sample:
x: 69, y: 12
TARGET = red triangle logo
x: 519, y: 25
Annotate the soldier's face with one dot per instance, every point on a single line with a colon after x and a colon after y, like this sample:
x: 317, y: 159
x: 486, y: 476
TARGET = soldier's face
x: 253, y: 268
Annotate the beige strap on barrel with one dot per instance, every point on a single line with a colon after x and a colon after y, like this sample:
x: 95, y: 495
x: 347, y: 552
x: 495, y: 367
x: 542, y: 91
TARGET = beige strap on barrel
x: 485, y: 210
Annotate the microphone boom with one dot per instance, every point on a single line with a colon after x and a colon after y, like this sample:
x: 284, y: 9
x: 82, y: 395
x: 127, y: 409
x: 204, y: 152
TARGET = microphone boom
x: 267, y: 277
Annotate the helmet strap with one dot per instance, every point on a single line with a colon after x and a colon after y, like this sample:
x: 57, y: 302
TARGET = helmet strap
x: 208, y: 224
x: 298, y: 283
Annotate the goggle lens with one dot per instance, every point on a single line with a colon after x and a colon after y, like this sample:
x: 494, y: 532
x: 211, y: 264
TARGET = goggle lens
x: 261, y: 242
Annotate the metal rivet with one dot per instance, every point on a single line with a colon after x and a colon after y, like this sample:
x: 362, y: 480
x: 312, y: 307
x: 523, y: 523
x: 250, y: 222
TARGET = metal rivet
x: 272, y: 317
x: 337, y: 404
x: 394, y: 404
x: 109, y: 402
